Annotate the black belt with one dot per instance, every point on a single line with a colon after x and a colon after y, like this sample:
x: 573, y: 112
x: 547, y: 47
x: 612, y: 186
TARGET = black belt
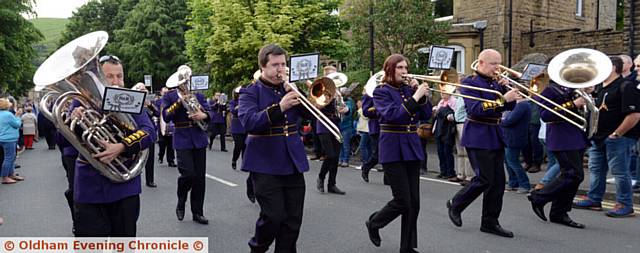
x: 277, y: 131
x: 184, y: 124
x: 482, y: 120
x: 391, y: 128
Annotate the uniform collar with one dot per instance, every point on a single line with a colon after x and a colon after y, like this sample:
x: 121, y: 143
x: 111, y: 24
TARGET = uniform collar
x: 483, y: 76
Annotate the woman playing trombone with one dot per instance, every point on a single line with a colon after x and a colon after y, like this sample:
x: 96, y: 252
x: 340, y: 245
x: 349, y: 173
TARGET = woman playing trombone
x: 400, y: 106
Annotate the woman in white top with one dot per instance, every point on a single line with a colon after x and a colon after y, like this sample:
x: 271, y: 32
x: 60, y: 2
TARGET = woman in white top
x: 363, y: 130
x: 29, y: 127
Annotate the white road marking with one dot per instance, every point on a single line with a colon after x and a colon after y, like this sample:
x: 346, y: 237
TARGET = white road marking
x: 222, y: 180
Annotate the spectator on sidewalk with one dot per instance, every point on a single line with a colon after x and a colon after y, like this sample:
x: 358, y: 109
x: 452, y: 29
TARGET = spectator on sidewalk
x: 29, y: 127
x: 553, y: 167
x: 533, y: 153
x: 363, y: 130
x: 346, y: 126
x: 444, y: 133
x: 463, y: 167
x: 611, y: 144
x: 9, y: 132
x: 515, y: 126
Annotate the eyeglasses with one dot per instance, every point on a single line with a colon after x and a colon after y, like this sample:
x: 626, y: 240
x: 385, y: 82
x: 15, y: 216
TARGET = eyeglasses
x: 105, y: 58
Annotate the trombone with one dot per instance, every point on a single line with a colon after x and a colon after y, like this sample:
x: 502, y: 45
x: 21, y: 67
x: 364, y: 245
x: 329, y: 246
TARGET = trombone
x: 321, y: 85
x: 574, y: 68
x: 444, y: 85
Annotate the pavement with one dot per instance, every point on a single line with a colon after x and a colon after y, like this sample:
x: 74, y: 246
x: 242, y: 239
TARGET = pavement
x: 36, y: 207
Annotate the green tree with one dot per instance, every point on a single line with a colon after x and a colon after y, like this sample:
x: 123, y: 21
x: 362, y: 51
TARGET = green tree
x: 17, y: 38
x: 152, y: 40
x: 227, y: 34
x: 400, y: 26
x: 104, y: 15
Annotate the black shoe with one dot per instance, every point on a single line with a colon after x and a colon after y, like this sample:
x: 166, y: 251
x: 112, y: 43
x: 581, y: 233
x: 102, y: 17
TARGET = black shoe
x: 374, y: 234
x: 423, y: 172
x: 171, y: 164
x: 233, y: 165
x: 180, y: 212
x: 537, y: 209
x: 320, y: 185
x: 160, y: 161
x: 152, y: 184
x: 454, y: 216
x: 335, y: 190
x: 17, y: 166
x: 567, y: 222
x: 315, y: 158
x: 497, y: 230
x: 224, y: 150
x: 365, y: 175
x: 200, y: 219
x: 251, y: 197
x: 209, y: 148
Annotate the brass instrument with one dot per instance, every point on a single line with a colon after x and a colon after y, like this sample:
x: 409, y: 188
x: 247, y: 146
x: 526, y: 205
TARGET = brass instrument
x: 444, y: 85
x: 322, y: 92
x: 575, y: 68
x: 73, y: 73
x: 182, y: 80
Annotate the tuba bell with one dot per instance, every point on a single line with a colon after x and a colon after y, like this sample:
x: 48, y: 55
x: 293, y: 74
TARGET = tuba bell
x: 72, y: 73
x: 182, y: 80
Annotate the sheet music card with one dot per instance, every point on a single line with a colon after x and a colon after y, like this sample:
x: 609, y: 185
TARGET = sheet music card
x: 304, y: 67
x: 123, y: 100
x: 532, y: 70
x: 440, y: 57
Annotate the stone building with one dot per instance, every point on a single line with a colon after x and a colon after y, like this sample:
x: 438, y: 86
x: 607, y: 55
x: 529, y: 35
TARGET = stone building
x: 536, y: 26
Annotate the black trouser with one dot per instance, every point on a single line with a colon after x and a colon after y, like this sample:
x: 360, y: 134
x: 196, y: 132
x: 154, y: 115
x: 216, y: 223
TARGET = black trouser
x: 115, y: 219
x: 148, y: 167
x: 489, y: 168
x: 192, y: 168
x: 69, y: 164
x: 561, y: 191
x: 423, y: 163
x: 238, y: 145
x: 215, y: 130
x: 404, y: 179
x: 166, y: 144
x: 50, y: 137
x: 317, y: 146
x: 373, y: 160
x: 281, y: 200
x: 331, y: 148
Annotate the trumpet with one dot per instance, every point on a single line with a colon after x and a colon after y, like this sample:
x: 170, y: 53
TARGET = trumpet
x: 575, y: 68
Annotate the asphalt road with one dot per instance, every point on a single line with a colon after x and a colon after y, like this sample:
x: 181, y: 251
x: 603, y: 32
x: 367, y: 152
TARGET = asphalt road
x: 332, y: 223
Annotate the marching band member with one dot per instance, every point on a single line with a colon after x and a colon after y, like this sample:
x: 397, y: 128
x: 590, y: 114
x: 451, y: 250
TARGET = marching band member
x: 331, y: 148
x: 369, y: 111
x: 275, y: 155
x: 567, y: 142
x: 239, y: 137
x: 102, y: 207
x: 151, y: 113
x: 218, y: 124
x: 189, y: 142
x: 482, y: 137
x: 400, y: 107
x: 165, y: 135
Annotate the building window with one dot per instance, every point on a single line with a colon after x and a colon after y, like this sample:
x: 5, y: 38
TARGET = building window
x: 442, y: 8
x: 579, y: 6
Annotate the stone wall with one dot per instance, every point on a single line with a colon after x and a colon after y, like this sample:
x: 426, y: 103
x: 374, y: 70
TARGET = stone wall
x: 554, y: 42
x: 628, y: 17
x: 543, y: 14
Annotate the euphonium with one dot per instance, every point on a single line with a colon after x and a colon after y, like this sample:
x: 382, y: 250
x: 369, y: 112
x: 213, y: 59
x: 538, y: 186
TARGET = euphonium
x: 182, y: 80
x: 72, y: 73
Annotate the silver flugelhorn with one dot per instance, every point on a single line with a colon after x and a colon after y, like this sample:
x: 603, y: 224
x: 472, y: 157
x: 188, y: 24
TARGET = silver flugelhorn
x: 73, y: 73
x: 182, y: 80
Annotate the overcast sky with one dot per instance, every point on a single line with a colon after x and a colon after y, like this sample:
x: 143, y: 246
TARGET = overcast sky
x: 57, y: 8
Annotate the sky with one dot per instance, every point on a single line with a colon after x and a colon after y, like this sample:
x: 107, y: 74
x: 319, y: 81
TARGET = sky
x: 57, y: 8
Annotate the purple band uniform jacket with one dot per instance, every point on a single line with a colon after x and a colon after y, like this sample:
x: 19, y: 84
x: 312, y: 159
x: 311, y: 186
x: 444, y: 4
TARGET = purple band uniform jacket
x: 218, y: 113
x: 561, y: 135
x: 401, y: 114
x: 186, y: 134
x: 330, y: 111
x: 236, y: 126
x: 369, y: 111
x: 481, y: 129
x: 91, y: 187
x: 280, y: 153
